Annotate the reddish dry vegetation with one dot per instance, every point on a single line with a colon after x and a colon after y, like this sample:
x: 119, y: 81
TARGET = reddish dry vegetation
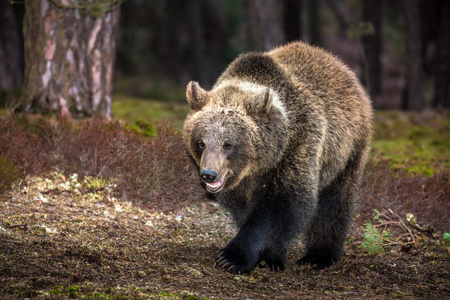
x: 147, y: 169
x: 153, y: 234
x: 428, y: 198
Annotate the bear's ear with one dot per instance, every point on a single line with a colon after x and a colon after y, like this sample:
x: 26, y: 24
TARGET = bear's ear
x: 196, y: 96
x: 261, y: 103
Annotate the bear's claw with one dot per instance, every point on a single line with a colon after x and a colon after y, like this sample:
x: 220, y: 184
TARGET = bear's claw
x: 231, y: 260
x: 276, y: 266
x: 316, y: 261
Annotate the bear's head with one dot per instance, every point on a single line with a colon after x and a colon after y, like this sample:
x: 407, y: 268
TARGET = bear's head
x: 234, y: 130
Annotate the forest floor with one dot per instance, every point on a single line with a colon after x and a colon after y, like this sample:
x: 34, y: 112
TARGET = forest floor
x: 80, y: 223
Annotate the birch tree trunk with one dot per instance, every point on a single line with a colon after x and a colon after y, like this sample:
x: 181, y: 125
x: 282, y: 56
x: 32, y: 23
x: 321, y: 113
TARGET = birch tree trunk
x: 69, y: 56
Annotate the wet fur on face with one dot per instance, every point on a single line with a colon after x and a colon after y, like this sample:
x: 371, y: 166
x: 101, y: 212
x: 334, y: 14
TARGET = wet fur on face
x: 243, y: 116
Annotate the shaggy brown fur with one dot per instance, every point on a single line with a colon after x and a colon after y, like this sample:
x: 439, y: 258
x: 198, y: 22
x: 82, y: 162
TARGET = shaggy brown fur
x: 281, y: 140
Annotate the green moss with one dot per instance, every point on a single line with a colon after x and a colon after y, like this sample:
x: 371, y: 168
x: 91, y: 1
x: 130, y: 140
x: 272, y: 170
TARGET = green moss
x: 411, y: 142
x: 143, y: 128
x: 56, y: 291
x: 131, y: 109
x: 414, y: 156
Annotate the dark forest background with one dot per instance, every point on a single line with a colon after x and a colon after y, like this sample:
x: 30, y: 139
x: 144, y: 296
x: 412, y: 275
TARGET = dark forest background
x: 399, y: 49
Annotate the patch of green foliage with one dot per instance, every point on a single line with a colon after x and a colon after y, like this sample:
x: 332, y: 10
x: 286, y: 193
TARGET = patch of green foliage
x: 133, y: 110
x: 60, y: 291
x: 57, y: 290
x: 10, y: 173
x: 71, y: 291
x: 168, y: 296
x: 446, y: 236
x: 375, y: 240
x: 419, y: 145
x: 143, y: 128
x: 414, y: 156
x: 95, y: 183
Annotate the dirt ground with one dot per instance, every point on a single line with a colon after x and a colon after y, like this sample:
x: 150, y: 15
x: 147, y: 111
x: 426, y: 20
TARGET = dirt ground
x: 67, y: 237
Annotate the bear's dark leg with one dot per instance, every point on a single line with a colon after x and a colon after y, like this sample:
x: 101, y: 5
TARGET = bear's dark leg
x: 327, y: 231
x: 271, y: 226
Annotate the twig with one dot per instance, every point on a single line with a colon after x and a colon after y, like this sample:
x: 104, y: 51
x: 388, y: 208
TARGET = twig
x: 21, y: 226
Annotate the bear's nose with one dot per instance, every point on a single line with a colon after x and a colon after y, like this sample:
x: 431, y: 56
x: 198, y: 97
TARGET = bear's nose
x: 208, y: 175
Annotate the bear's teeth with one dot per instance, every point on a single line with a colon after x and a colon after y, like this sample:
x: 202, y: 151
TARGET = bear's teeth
x: 215, y: 186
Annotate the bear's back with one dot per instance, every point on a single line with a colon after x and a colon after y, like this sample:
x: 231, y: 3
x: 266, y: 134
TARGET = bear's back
x: 317, y: 71
x: 320, y: 93
x: 256, y: 68
x: 298, y: 67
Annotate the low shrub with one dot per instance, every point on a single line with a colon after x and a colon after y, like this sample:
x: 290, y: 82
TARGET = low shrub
x: 10, y: 173
x: 152, y: 169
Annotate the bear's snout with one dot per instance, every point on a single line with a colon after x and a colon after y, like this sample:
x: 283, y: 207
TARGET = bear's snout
x: 208, y: 175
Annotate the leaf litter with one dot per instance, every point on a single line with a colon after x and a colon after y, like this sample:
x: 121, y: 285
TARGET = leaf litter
x: 59, y: 233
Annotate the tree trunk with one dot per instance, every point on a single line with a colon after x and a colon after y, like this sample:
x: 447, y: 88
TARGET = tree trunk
x: 127, y: 52
x: 372, y: 13
x: 69, y: 55
x: 442, y: 69
x: 414, y: 98
x: 173, y: 40
x: 315, y: 23
x: 197, y: 42
x: 292, y: 21
x: 10, y: 49
x: 219, y: 38
x: 261, y: 24
x: 342, y: 17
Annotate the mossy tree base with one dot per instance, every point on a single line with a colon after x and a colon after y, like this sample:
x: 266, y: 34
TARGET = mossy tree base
x: 69, y: 54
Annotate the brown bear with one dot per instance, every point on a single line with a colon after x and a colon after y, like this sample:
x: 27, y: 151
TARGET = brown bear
x: 281, y: 141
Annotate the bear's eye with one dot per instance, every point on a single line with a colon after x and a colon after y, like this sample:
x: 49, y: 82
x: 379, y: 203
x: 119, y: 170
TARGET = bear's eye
x: 201, y: 144
x: 227, y: 146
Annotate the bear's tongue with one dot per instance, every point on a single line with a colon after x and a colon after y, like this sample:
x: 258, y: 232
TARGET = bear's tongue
x: 215, y: 186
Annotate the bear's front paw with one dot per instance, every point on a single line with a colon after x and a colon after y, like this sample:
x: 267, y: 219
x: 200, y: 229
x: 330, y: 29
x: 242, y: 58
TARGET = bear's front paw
x: 316, y: 261
x: 276, y: 265
x: 236, y: 260
x: 274, y: 259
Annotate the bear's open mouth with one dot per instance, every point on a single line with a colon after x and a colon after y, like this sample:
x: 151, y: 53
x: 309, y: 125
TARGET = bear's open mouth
x: 215, y: 186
